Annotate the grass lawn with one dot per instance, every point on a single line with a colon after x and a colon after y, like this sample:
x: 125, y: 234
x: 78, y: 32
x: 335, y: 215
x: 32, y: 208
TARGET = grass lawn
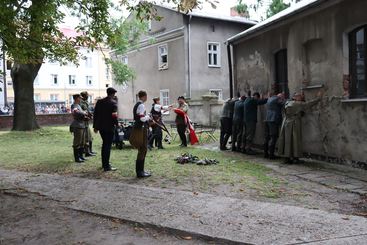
x: 49, y: 150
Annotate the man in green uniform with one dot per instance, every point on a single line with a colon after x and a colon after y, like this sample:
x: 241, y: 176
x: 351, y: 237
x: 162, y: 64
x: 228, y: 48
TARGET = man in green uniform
x: 77, y: 127
x: 290, y: 139
x: 88, y: 133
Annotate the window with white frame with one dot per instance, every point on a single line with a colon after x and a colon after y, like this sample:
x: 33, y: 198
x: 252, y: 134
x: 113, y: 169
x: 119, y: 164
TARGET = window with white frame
x: 163, y: 57
x: 214, y: 54
x: 217, y: 92
x: 54, y: 97
x: 54, y: 79
x: 107, y: 72
x: 72, y: 80
x: 124, y: 60
x: 89, y: 80
x: 90, y: 98
x: 88, y: 62
x: 164, y: 96
x: 37, y: 97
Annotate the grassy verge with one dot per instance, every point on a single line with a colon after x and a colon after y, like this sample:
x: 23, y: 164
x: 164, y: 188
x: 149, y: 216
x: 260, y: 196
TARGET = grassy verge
x: 49, y: 150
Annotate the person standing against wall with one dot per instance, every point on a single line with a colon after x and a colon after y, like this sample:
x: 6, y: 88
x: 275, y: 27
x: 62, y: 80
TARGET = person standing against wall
x: 237, y: 125
x: 104, y: 121
x: 250, y: 121
x: 226, y: 123
x: 273, y: 121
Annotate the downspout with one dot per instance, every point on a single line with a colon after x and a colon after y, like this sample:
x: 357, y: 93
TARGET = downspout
x: 4, y: 76
x: 189, y: 56
x: 230, y: 68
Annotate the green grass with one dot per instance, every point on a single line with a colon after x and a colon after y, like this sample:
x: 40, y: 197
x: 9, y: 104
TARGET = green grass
x: 49, y: 150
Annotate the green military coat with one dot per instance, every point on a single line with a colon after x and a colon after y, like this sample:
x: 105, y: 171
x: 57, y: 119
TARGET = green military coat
x: 290, y: 138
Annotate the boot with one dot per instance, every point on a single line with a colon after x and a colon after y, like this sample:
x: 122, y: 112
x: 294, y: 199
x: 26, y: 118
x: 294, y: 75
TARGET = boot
x: 87, y: 152
x: 80, y: 151
x: 140, y: 173
x: 91, y: 149
x: 76, y: 156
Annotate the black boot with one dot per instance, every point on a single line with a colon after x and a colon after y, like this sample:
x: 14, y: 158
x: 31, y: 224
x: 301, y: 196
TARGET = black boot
x: 81, y: 151
x: 140, y: 173
x: 76, y: 156
x: 91, y: 149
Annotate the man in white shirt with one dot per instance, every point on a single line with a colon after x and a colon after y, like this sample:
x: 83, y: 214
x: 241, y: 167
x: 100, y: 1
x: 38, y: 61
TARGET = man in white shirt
x: 156, y: 112
x: 141, y: 126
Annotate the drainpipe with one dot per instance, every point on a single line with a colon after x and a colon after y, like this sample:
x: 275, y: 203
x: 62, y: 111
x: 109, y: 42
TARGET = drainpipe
x: 189, y: 58
x: 4, y: 76
x: 229, y: 46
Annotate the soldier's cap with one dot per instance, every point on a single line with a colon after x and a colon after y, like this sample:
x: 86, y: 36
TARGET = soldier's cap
x: 181, y: 97
x: 84, y: 94
x: 111, y: 91
x: 75, y: 96
x: 156, y: 98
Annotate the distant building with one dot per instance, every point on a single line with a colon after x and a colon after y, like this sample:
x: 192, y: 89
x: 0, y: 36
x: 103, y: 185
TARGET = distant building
x: 313, y: 45
x: 55, y: 84
x: 183, y: 54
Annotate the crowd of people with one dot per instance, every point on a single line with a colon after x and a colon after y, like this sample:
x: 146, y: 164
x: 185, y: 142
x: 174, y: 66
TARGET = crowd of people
x: 282, y: 125
x: 146, y: 132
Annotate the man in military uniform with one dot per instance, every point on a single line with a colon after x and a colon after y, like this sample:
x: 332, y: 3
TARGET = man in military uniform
x: 273, y: 121
x: 237, y: 125
x: 180, y: 120
x: 105, y: 120
x: 226, y: 123
x: 156, y: 113
x: 139, y: 135
x: 250, y: 121
x: 88, y: 133
x: 77, y: 127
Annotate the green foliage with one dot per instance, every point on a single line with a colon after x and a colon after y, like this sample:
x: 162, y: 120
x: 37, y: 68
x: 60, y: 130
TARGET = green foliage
x: 275, y: 7
x: 241, y: 7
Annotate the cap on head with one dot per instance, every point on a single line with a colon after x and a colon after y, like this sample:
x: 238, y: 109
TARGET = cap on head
x: 181, y: 98
x: 84, y: 94
x: 111, y: 91
x: 76, y: 96
x: 156, y: 99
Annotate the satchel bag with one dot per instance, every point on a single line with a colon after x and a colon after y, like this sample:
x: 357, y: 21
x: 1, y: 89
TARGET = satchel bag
x: 136, y: 137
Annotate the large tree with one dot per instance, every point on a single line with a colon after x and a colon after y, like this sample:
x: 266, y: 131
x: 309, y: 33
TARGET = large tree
x: 30, y: 30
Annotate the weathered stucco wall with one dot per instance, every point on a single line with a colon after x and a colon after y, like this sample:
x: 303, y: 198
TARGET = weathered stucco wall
x: 317, y: 47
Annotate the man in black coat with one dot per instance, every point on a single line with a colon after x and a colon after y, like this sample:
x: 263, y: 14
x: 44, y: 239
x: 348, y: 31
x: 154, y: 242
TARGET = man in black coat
x: 104, y: 121
x: 237, y: 124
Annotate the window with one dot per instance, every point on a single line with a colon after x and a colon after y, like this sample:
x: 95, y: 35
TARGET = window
x: 89, y: 80
x: 88, y: 62
x: 54, y: 80
x: 358, y: 64
x: 37, y: 97
x: 72, y: 80
x: 124, y: 60
x: 164, y: 96
x: 107, y: 72
x: 90, y: 98
x: 217, y: 92
x: 54, y: 97
x: 162, y: 57
x: 213, y: 54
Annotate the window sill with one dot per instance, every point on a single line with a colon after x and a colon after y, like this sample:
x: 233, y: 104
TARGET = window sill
x: 313, y: 87
x: 214, y: 66
x: 354, y: 100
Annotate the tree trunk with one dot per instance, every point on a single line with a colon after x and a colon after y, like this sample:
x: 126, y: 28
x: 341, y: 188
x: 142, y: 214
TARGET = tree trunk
x: 23, y: 76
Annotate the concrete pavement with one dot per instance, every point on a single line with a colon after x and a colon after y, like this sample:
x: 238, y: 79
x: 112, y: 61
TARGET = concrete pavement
x: 226, y: 219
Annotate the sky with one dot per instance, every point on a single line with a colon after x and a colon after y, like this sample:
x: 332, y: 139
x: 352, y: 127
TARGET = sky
x: 222, y: 8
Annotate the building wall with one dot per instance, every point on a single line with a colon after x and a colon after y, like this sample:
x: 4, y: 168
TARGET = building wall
x: 44, y: 87
x: 204, y: 77
x: 317, y: 55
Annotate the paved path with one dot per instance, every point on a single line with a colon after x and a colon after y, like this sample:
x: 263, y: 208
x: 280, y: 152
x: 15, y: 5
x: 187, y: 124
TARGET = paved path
x: 332, y: 175
x: 229, y: 219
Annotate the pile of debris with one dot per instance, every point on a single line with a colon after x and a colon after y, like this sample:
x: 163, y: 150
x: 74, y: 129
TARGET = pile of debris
x: 188, y: 158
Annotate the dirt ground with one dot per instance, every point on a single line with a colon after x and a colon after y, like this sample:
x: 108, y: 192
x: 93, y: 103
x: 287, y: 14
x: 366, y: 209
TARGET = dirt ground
x: 30, y: 219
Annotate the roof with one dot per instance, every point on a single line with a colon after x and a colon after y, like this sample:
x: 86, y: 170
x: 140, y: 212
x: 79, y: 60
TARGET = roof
x: 201, y: 14
x: 288, y: 12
